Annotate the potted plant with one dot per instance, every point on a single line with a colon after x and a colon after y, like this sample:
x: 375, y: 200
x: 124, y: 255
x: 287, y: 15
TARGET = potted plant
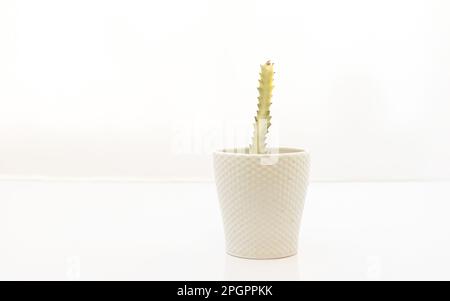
x: 261, y: 190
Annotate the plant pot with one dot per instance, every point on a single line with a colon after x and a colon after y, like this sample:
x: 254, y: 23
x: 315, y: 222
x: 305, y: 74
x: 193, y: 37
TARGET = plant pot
x: 261, y: 199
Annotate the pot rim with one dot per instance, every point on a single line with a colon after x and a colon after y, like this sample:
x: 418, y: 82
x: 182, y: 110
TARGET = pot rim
x: 275, y: 151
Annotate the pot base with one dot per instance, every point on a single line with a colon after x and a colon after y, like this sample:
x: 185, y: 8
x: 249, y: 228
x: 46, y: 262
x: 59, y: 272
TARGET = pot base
x: 261, y: 258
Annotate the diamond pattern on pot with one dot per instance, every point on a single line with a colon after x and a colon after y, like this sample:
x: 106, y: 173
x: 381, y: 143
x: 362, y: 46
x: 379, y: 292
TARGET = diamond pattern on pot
x: 261, y: 203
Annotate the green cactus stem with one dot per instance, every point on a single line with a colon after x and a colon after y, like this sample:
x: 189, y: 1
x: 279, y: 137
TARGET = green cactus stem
x: 262, y: 118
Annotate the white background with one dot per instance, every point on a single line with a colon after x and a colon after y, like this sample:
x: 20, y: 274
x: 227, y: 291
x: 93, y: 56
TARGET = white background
x: 147, y: 89
x: 79, y: 230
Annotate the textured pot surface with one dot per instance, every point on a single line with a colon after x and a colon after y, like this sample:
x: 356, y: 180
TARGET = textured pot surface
x: 261, y: 198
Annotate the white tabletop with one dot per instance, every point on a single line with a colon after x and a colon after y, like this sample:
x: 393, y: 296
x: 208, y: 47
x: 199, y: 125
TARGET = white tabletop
x: 173, y: 231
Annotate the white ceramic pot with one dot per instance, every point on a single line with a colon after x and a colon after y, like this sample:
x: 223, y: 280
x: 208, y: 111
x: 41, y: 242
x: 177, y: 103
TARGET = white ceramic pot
x: 261, y: 198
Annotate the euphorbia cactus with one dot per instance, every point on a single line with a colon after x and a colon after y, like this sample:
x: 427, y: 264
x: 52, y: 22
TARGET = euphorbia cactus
x: 262, y: 118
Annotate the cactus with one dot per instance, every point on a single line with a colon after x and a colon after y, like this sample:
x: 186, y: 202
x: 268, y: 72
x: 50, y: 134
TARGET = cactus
x: 262, y: 118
